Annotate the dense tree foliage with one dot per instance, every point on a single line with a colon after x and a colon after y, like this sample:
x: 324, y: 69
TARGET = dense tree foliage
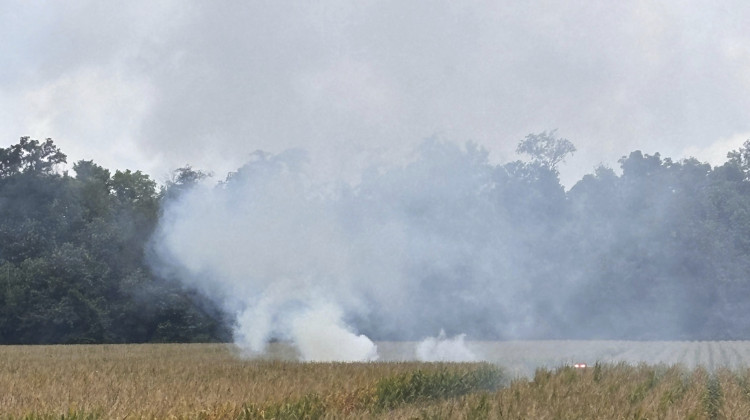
x: 72, y: 261
x: 661, y: 251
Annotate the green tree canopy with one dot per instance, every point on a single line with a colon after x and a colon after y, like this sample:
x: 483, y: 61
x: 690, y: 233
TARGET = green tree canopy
x: 30, y: 156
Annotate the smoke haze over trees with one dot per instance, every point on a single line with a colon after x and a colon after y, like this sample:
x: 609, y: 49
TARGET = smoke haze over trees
x: 659, y: 249
x: 450, y: 241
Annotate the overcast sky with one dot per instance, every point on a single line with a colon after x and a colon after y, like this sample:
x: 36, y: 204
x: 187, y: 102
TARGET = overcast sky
x: 154, y: 85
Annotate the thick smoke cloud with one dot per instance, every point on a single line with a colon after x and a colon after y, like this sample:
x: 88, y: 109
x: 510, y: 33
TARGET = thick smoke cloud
x: 454, y: 244
x: 409, y: 251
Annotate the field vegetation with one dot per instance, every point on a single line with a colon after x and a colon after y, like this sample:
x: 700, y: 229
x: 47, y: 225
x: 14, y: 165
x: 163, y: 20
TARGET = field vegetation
x: 211, y: 381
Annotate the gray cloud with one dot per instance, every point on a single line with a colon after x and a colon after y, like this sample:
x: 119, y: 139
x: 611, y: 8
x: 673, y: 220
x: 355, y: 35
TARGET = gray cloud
x: 155, y: 85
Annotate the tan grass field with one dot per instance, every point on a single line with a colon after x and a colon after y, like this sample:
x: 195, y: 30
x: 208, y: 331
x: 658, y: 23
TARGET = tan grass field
x: 211, y: 381
x: 170, y: 380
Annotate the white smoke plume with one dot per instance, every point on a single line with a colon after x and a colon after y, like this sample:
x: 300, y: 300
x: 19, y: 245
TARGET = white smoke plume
x: 444, y: 349
x: 271, y: 251
x: 329, y: 266
x: 321, y: 336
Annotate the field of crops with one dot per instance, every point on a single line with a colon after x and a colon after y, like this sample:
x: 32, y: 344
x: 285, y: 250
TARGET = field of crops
x: 213, y: 381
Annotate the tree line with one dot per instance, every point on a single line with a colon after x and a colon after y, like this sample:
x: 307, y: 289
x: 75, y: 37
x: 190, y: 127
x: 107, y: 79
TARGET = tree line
x: 72, y: 262
x: 660, y: 250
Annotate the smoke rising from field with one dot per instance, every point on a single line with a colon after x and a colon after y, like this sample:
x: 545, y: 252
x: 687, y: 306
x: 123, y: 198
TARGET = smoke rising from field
x: 444, y: 349
x: 451, y: 244
x: 404, y: 253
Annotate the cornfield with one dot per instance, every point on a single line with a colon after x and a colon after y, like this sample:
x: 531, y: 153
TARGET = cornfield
x: 213, y: 381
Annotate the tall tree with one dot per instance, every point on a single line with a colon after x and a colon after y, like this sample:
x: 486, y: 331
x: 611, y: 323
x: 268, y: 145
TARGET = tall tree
x: 546, y: 149
x: 30, y: 156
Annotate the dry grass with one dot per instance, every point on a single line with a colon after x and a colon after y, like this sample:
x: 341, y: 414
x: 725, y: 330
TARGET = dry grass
x: 172, y: 380
x: 210, y: 381
x: 606, y: 392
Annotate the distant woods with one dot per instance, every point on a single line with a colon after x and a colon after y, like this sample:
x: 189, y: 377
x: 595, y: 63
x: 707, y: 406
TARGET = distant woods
x: 660, y: 250
x: 72, y: 262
